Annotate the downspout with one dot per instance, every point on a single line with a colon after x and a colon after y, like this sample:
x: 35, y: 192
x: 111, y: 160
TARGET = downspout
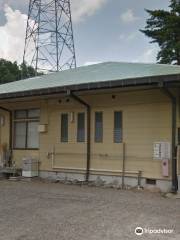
x: 10, y: 132
x: 88, y: 108
x: 174, y: 157
x: 123, y: 166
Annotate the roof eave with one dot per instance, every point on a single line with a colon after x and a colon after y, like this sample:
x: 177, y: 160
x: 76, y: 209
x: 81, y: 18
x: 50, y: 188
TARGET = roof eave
x: 168, y: 80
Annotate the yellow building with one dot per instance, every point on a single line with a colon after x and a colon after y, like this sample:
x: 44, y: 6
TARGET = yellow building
x: 111, y: 122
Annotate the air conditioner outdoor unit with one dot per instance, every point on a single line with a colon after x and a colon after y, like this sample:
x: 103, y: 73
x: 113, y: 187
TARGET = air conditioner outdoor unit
x: 30, y: 167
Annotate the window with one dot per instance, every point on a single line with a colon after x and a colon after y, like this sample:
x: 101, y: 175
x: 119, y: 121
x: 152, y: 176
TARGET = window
x: 26, y: 134
x: 81, y: 127
x: 20, y: 114
x: 98, y: 127
x: 20, y: 134
x: 33, y: 113
x: 117, y: 127
x: 64, y: 127
x: 32, y: 133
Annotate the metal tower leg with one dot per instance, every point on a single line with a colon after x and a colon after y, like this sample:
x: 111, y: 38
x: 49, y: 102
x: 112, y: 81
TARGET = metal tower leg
x: 49, y: 42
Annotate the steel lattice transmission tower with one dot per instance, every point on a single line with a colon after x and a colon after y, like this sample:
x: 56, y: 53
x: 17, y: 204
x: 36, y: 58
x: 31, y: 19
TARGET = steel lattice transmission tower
x: 49, y: 43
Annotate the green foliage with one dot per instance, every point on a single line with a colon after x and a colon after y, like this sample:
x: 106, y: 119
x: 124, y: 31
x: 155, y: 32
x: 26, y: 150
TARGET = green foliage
x: 163, y: 27
x: 27, y: 71
x: 10, y: 72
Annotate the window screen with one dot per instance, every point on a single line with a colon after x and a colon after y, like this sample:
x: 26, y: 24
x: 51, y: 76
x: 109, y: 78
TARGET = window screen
x: 98, y: 127
x: 81, y: 127
x: 64, y: 127
x: 117, y: 127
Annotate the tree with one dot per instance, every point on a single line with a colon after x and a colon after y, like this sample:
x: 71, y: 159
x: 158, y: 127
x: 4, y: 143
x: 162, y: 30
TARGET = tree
x: 10, y: 72
x: 164, y: 29
x: 27, y: 71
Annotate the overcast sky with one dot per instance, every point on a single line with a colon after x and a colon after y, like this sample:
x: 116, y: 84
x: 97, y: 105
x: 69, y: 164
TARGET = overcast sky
x: 104, y: 30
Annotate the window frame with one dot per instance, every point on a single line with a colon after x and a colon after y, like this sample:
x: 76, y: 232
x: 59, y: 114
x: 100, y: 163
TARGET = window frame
x: 102, y: 137
x: 121, y: 141
x: 25, y: 120
x: 61, y: 140
x: 77, y: 128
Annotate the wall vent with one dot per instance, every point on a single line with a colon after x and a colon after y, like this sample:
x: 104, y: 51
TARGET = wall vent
x: 150, y: 181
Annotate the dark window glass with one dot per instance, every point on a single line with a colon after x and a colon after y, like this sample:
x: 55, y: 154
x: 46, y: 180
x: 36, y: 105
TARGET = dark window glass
x: 81, y: 127
x: 64, y: 127
x: 98, y: 127
x: 26, y: 114
x: 117, y: 127
x: 34, y: 113
x: 20, y: 114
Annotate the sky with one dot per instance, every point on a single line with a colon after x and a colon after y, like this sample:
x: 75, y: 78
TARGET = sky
x: 104, y: 30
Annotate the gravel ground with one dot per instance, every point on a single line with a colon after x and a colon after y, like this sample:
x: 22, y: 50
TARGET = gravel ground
x: 50, y: 211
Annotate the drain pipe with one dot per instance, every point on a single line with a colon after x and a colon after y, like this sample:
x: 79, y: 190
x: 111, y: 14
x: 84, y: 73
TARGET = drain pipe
x: 10, y: 132
x: 88, y: 108
x: 174, y: 156
x: 123, y: 167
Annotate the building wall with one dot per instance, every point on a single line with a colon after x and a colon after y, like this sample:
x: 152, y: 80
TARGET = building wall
x: 178, y: 126
x: 4, y: 128
x: 146, y: 119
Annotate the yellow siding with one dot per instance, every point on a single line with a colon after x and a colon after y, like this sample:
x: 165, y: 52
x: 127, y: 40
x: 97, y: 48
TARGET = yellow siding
x: 71, y: 154
x: 4, y: 130
x: 178, y: 126
x: 142, y: 125
x: 146, y: 119
x: 18, y: 155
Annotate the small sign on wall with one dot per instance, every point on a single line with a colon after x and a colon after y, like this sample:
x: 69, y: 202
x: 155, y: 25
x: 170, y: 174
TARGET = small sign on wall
x: 42, y: 128
x: 162, y: 150
x: 165, y: 167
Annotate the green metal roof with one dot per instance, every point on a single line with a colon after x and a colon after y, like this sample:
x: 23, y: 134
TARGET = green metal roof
x: 102, y: 72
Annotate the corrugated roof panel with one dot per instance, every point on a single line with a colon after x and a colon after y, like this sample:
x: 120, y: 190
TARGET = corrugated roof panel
x: 101, y: 72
